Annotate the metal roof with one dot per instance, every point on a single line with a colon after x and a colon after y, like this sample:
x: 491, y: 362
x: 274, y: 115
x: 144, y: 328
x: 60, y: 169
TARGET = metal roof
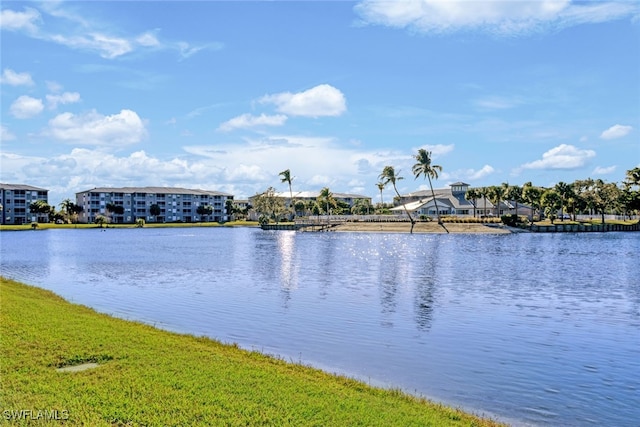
x: 154, y: 190
x: 21, y: 187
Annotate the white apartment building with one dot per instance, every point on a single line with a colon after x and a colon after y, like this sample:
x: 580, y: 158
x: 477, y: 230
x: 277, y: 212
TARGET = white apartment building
x: 15, y: 200
x: 173, y: 204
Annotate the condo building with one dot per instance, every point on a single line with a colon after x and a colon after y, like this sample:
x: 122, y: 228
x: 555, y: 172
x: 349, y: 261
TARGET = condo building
x: 15, y: 200
x: 153, y: 204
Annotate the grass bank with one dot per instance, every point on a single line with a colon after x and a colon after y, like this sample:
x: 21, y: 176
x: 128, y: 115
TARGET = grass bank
x: 146, y: 376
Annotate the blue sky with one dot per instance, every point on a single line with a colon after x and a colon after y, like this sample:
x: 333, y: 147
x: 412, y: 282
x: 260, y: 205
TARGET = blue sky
x: 225, y: 95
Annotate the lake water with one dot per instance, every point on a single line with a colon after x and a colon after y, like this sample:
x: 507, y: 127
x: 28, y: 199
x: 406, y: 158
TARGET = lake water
x: 533, y: 329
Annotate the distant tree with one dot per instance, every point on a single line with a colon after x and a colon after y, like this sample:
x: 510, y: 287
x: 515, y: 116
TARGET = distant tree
x: 361, y: 207
x: 389, y: 175
x: 496, y: 194
x: 286, y: 177
x: 429, y: 170
x: 472, y: 195
x: 603, y: 196
x: 380, y: 186
x: 550, y: 201
x: 531, y: 195
x: 40, y: 208
x: 101, y: 220
x: 230, y: 209
x: 565, y: 191
x: 301, y: 206
x: 631, y: 191
x: 67, y: 208
x: 326, y: 201
x: 269, y: 205
x: 514, y: 194
x: 204, y: 211
x: 482, y: 192
x: 154, y: 211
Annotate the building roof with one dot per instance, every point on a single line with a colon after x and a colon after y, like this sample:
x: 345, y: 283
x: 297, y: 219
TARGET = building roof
x: 20, y: 187
x: 154, y: 190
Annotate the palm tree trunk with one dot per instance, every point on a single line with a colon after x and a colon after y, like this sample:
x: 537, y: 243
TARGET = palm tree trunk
x: 433, y: 194
x: 405, y: 210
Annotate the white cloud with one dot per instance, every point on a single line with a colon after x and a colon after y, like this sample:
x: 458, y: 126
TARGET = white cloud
x: 11, y: 20
x: 561, y: 157
x: 496, y: 17
x: 248, y: 120
x: 472, y: 174
x: 604, y: 171
x: 92, y: 128
x: 65, y: 98
x: 147, y: 39
x: 322, y: 100
x: 25, y: 107
x: 5, y: 134
x: 12, y: 78
x: 616, y: 131
x: 83, y: 34
x: 107, y: 47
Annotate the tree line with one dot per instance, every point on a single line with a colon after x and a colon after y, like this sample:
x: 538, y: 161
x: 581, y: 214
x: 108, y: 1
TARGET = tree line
x: 587, y: 196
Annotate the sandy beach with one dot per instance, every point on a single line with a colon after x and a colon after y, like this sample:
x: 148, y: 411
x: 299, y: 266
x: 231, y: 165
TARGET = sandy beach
x: 420, y: 227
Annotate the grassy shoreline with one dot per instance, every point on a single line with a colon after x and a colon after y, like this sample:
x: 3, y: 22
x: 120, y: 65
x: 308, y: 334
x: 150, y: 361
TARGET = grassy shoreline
x: 148, y: 376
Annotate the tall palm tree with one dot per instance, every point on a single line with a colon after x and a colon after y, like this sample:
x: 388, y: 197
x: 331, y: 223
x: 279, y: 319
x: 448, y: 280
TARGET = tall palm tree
x: 389, y: 175
x: 429, y: 170
x: 380, y: 186
x: 286, y: 177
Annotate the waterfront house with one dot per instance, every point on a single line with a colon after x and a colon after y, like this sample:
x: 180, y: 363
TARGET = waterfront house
x: 173, y: 204
x: 16, y: 198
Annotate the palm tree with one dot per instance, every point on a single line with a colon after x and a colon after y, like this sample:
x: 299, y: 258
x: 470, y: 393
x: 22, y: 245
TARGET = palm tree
x: 67, y: 207
x: 496, y: 194
x: 286, y: 177
x: 483, y: 192
x: 531, y: 195
x: 424, y: 167
x: 565, y: 191
x: 326, y: 200
x: 472, y: 195
x: 551, y: 202
x: 380, y: 186
x: 514, y: 193
x: 389, y: 175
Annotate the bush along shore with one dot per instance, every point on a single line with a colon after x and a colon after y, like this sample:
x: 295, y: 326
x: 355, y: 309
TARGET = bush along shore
x: 64, y: 363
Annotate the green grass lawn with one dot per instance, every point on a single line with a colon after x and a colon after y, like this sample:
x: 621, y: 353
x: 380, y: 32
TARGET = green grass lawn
x: 151, y: 377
